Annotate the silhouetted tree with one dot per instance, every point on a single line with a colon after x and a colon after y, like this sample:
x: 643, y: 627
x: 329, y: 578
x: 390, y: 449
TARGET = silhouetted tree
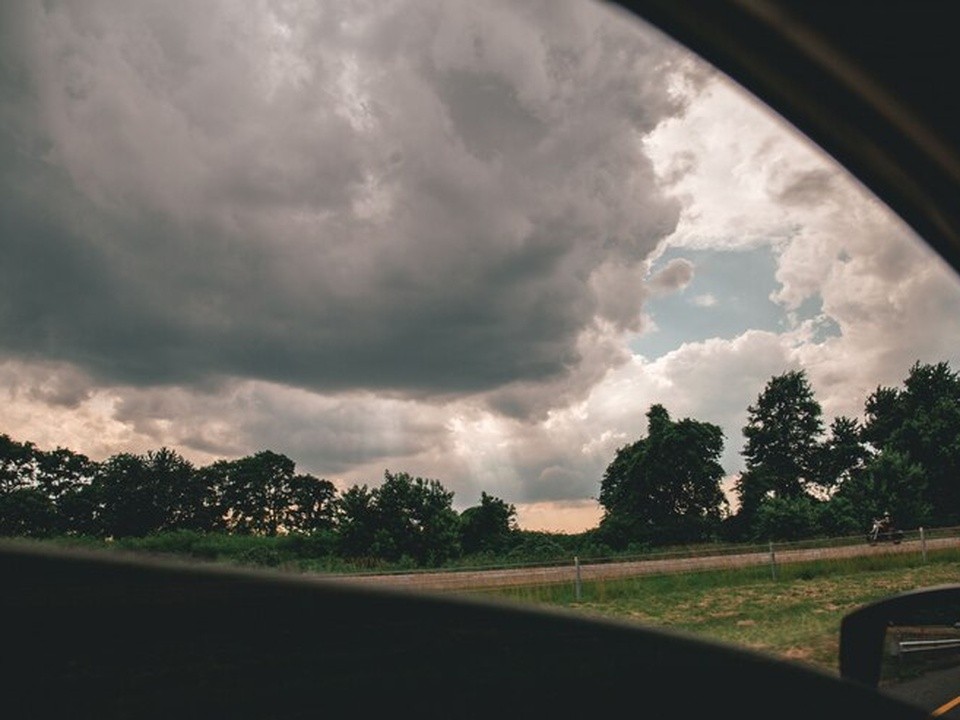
x: 782, y: 451
x: 664, y: 487
x: 38, y: 488
x: 921, y: 424
x: 312, y: 505
x: 16, y: 464
x: 256, y: 493
x: 416, y: 519
x: 889, y: 483
x: 135, y: 495
x: 356, y: 518
x: 843, y: 455
x: 487, y: 527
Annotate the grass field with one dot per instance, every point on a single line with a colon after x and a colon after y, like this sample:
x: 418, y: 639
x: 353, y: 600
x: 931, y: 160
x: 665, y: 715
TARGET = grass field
x: 794, y: 615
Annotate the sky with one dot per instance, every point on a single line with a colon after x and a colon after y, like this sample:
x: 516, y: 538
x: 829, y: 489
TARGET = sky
x: 472, y: 241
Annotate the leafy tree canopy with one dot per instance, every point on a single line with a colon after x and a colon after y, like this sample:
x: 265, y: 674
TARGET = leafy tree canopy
x: 665, y: 487
x: 405, y: 517
x: 920, y: 422
x: 487, y: 527
x: 783, y: 431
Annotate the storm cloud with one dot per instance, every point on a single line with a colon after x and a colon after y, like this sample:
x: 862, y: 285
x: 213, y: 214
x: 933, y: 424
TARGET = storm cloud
x: 422, y: 199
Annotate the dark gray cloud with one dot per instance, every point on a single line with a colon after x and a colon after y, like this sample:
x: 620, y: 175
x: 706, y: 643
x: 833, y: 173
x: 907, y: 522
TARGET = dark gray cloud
x: 675, y: 275
x: 328, y: 436
x: 425, y: 199
x: 562, y: 483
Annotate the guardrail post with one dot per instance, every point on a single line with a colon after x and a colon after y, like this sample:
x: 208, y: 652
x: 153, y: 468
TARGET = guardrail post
x: 577, y: 584
x: 773, y: 562
x: 923, y: 546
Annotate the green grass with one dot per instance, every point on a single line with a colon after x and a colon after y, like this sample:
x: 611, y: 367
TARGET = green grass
x: 795, y: 616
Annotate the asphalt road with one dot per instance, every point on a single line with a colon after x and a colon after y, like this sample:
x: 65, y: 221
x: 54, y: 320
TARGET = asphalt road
x: 524, y: 576
x: 933, y: 691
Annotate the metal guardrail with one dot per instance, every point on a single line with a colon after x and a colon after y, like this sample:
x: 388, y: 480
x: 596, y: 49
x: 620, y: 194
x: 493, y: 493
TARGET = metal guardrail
x: 912, y: 646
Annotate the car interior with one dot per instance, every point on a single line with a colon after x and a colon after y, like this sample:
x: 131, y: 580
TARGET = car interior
x: 110, y: 636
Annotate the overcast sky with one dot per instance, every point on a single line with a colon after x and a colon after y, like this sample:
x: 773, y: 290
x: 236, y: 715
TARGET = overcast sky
x: 473, y: 241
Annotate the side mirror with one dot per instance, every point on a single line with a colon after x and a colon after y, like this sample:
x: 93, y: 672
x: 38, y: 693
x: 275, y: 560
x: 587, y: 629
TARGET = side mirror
x: 896, y: 644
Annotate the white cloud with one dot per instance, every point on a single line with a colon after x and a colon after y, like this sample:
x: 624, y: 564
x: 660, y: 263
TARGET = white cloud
x: 737, y: 167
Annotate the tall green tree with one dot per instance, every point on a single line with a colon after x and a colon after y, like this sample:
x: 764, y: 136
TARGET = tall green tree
x: 416, y: 519
x: 65, y: 477
x: 135, y: 495
x: 356, y: 522
x: 889, y: 483
x: 782, y: 452
x: 843, y: 455
x: 17, y: 462
x: 126, y: 497
x: 38, y: 488
x: 312, y: 505
x: 920, y: 423
x: 404, y: 518
x: 256, y: 493
x: 844, y: 466
x: 664, y: 487
x: 489, y: 526
x: 184, y: 499
x: 262, y: 494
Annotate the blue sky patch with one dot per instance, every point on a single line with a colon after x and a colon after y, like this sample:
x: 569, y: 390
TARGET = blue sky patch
x: 729, y: 294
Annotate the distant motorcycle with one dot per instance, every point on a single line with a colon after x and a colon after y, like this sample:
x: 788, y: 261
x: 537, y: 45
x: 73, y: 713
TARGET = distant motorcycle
x: 882, y: 531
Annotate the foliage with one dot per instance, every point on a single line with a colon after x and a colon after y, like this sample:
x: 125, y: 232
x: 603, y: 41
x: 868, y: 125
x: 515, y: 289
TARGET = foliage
x: 538, y: 547
x: 26, y: 512
x: 843, y: 455
x: 16, y: 463
x: 134, y: 495
x: 781, y: 451
x: 403, y: 517
x: 487, y: 527
x: 890, y: 483
x: 356, y: 521
x: 664, y: 487
x: 920, y: 423
x: 788, y: 518
x: 416, y: 519
x: 40, y: 490
x: 904, y: 458
x: 255, y: 493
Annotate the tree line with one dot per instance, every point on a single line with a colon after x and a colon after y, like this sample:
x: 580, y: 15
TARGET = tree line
x: 61, y: 492
x: 801, y: 479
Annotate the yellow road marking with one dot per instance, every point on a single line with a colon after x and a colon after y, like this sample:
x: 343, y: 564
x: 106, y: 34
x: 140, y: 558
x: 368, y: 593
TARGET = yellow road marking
x: 946, y: 707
